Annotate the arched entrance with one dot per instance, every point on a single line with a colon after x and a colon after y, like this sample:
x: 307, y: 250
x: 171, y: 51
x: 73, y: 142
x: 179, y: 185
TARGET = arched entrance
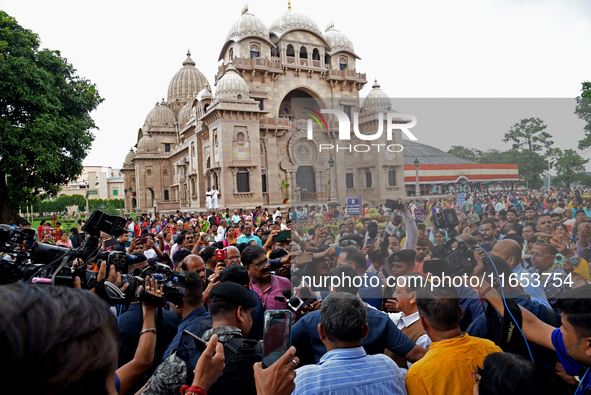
x: 292, y: 105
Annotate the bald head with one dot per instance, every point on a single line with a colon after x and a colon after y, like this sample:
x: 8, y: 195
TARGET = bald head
x: 508, y: 250
x: 192, y: 263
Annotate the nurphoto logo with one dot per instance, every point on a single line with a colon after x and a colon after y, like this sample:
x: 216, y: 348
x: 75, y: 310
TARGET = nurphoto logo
x: 345, y: 130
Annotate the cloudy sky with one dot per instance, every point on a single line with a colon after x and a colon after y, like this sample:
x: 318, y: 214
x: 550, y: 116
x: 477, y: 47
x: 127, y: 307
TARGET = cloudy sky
x: 417, y: 49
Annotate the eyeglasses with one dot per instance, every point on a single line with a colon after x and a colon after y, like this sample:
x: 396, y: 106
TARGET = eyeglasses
x: 262, y: 264
x: 536, y: 255
x: 345, y: 243
x: 476, y: 376
x: 233, y: 258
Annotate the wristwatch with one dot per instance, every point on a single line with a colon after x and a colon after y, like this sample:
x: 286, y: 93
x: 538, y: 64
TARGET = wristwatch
x: 574, y: 259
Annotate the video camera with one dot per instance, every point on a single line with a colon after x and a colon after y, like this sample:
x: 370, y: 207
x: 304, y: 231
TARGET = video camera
x: 48, y: 261
x: 446, y: 219
x: 453, y: 262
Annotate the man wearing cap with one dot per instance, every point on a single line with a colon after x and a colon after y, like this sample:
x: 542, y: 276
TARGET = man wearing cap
x: 402, y: 263
x: 231, y: 307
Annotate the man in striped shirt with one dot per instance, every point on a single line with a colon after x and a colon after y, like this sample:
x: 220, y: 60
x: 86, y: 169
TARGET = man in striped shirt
x: 346, y: 368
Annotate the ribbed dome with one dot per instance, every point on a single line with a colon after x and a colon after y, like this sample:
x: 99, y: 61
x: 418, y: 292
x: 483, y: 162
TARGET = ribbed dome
x: 185, y: 113
x: 247, y: 25
x: 146, y: 144
x: 205, y: 93
x: 337, y: 41
x: 377, y: 99
x: 293, y: 21
x: 130, y: 155
x: 187, y: 82
x: 161, y: 115
x: 150, y: 114
x: 231, y: 85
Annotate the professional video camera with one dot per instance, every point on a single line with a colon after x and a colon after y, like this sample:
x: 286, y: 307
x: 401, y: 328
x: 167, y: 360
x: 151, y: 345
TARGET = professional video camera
x: 173, y: 281
x: 453, y: 262
x: 47, y: 263
x: 446, y: 219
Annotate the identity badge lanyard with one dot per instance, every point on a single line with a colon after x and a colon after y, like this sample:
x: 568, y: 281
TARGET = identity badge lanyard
x: 581, y: 384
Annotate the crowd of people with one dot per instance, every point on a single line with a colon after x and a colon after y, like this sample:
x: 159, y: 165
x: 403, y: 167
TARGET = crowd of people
x: 372, y: 309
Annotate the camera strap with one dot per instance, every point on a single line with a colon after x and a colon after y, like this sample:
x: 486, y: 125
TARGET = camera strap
x: 505, y: 333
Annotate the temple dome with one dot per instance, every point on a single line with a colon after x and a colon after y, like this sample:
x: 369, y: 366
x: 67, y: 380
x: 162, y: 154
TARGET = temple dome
x: 187, y: 82
x: 146, y: 144
x: 247, y: 25
x: 205, y: 93
x: 377, y: 99
x: 290, y: 21
x: 185, y: 113
x: 129, y: 157
x: 232, y: 85
x: 160, y: 115
x: 338, y: 42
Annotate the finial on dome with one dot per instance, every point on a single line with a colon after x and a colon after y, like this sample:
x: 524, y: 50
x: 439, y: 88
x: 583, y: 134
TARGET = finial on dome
x: 375, y: 84
x: 329, y: 26
x: 189, y: 61
x: 289, y: 5
x: 244, y: 9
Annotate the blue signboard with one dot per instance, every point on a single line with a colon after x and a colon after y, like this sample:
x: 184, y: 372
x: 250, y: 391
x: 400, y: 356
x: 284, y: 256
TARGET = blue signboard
x: 461, y: 198
x: 354, y: 205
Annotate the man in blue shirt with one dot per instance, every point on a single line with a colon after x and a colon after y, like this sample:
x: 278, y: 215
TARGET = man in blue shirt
x: 247, y: 235
x: 346, y: 368
x: 572, y: 341
x: 383, y: 333
x: 195, y: 318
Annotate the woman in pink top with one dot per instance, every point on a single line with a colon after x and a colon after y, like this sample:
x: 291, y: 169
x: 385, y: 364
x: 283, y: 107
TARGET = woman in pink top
x: 64, y: 240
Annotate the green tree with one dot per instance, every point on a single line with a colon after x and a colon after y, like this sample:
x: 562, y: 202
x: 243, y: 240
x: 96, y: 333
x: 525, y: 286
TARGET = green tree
x: 465, y: 153
x: 45, y: 123
x: 570, y: 167
x: 529, y: 145
x: 583, y: 111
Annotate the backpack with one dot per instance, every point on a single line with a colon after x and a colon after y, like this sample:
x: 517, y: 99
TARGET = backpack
x: 238, y: 375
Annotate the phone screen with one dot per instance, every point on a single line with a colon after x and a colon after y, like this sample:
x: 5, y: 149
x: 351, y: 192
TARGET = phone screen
x: 276, y: 335
x: 111, y: 243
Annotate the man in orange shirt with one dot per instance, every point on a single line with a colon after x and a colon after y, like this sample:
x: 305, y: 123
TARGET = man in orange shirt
x: 447, y: 367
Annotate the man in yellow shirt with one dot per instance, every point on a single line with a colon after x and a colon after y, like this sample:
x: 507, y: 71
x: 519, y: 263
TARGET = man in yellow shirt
x: 447, y: 367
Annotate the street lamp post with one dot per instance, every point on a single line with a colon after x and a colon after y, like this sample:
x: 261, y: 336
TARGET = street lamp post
x: 332, y: 196
x: 417, y: 188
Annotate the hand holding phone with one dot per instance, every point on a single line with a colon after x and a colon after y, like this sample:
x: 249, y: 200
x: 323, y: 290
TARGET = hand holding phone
x: 276, y: 335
